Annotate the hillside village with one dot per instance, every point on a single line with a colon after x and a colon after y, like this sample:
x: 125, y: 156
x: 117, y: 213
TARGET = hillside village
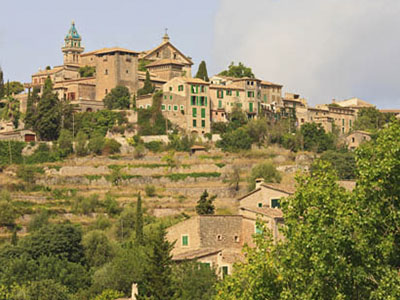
x: 122, y: 142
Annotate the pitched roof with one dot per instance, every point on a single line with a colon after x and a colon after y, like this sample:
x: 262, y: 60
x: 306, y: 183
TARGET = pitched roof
x: 246, y: 78
x: 192, y: 80
x: 164, y: 43
x: 275, y: 213
x: 197, y: 253
x: 115, y: 49
x: 167, y: 61
x: 280, y: 188
x: 263, y: 82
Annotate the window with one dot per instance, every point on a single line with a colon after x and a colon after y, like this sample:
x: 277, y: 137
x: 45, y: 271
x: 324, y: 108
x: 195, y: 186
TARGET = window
x: 250, y: 94
x: 169, y: 107
x: 193, y: 100
x: 170, y: 88
x: 147, y: 105
x: 259, y: 204
x: 180, y: 88
x: 342, y: 129
x: 203, y: 123
x: 258, y: 229
x: 275, y: 203
x: 236, y: 239
x: 170, y: 97
x: 220, y: 94
x: 237, y: 93
x: 162, y: 107
x: 251, y: 107
x: 219, y: 237
x: 185, y: 240
x: 127, y: 71
x: 194, y: 123
x: 265, y: 98
x: 350, y: 123
x: 158, y: 54
x: 219, y: 104
x: 194, y: 112
x: 342, y: 122
x: 106, y: 91
x: 202, y: 101
x: 225, y: 270
x: 128, y: 59
x: 195, y: 89
x: 106, y: 72
x: 175, y: 107
x: 182, y: 107
x: 203, y: 112
x: 202, y: 88
x: 353, y: 140
x: 229, y: 93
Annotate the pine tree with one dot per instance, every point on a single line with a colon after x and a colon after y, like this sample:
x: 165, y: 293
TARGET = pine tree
x: 139, y: 221
x: 205, y: 204
x: 157, y: 281
x: 2, y: 92
x: 32, y: 101
x: 202, y: 71
x: 48, y: 116
x: 148, y: 88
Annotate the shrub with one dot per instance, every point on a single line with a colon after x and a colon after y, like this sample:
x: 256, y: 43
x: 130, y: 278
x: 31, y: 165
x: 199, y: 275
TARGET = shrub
x: 235, y: 140
x: 265, y: 170
x: 65, y: 143
x: 111, y: 146
x: 150, y: 190
x: 96, y: 144
x: 39, y: 220
x: 140, y: 151
x: 154, y: 146
x: 81, y: 141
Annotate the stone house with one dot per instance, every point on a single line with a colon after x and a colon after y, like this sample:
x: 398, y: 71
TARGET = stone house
x: 356, y: 138
x: 186, y: 103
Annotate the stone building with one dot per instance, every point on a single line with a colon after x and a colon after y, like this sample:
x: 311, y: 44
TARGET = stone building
x: 356, y: 138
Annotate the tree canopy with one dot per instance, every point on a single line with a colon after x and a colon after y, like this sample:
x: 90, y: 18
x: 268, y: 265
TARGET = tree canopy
x: 148, y: 87
x: 118, y: 98
x: 205, y: 204
x: 238, y: 71
x: 202, y: 71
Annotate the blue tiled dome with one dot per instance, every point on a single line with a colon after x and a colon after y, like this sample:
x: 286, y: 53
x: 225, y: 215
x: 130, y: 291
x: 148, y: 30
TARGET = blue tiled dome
x: 73, y: 33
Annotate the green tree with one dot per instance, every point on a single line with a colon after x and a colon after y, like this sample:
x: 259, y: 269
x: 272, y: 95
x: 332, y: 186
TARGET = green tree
x: 109, y: 295
x: 369, y: 119
x: 234, y: 141
x: 15, y: 87
x: 118, y: 98
x: 39, y: 220
x: 139, y: 238
x: 343, y: 161
x: 81, y: 141
x: 234, y: 178
x: 205, y: 204
x: 97, y: 247
x: 192, y: 280
x: 27, y: 173
x: 48, y: 117
x: 157, y: 279
x: 65, y: 142
x: 96, y: 143
x: 33, y: 99
x: 265, y: 170
x: 46, y: 290
x: 87, y: 71
x: 8, y: 212
x: 2, y: 89
x: 202, y: 71
x: 315, y: 138
x: 148, y: 87
x: 257, y: 130
x: 238, y: 71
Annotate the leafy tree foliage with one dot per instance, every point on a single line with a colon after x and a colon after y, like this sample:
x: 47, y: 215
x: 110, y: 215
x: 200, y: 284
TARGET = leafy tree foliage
x: 118, y: 98
x: 265, y: 170
x: 65, y: 142
x: 46, y: 289
x: 33, y: 99
x: 87, y: 71
x: 14, y: 87
x: 96, y: 143
x: 157, y: 279
x: 97, y: 247
x: 234, y: 141
x: 234, y: 178
x: 109, y: 295
x: 238, y: 71
x: 193, y: 280
x: 370, y: 119
x: 48, y: 117
x: 343, y: 161
x: 81, y: 141
x: 202, y: 71
x: 8, y: 213
x: 205, y: 204
x: 111, y: 146
x: 148, y: 87
x: 315, y: 138
x: 139, y: 238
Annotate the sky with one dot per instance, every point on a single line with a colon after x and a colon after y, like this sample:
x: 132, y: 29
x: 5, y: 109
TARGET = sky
x: 322, y: 50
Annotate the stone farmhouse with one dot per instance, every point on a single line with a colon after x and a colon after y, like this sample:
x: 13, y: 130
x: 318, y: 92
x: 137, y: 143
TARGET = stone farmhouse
x: 356, y: 138
x: 217, y: 240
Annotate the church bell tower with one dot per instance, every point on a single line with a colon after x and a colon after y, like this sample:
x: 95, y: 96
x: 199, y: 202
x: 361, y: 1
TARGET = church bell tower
x: 72, y: 47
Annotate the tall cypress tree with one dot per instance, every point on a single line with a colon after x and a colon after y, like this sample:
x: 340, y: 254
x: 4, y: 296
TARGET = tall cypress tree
x: 48, y: 116
x: 139, y: 221
x: 2, y: 92
x: 202, y: 71
x: 157, y: 281
x: 148, y: 88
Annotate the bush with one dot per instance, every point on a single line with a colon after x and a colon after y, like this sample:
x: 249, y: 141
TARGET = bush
x: 111, y: 146
x: 26, y: 173
x: 235, y: 141
x: 39, y: 220
x: 140, y: 151
x: 150, y: 190
x: 87, y: 205
x: 43, y: 154
x: 154, y: 146
x: 343, y: 162
x: 118, y: 98
x: 81, y: 141
x: 96, y: 144
x: 265, y: 170
x: 16, y: 152
x: 65, y: 143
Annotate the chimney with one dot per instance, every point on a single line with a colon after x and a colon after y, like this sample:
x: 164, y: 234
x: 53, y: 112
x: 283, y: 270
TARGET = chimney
x: 134, y: 291
x: 259, y: 181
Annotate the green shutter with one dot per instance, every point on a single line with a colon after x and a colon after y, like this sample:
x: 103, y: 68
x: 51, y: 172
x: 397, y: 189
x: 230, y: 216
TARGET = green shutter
x: 194, y: 123
x: 203, y: 123
x: 206, y: 105
x: 224, y: 270
x: 251, y: 107
x: 194, y: 112
x: 185, y: 240
x: 193, y: 100
x: 203, y: 112
x: 170, y: 97
x: 162, y: 107
x: 219, y: 104
x: 237, y: 93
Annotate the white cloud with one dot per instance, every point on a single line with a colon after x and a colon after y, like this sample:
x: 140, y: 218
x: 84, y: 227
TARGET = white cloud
x: 321, y: 49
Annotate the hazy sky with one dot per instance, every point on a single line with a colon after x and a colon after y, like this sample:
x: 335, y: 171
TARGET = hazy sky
x: 320, y: 49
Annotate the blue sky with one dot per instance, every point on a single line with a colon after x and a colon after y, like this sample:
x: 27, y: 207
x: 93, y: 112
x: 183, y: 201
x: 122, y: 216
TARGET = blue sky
x: 319, y: 49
